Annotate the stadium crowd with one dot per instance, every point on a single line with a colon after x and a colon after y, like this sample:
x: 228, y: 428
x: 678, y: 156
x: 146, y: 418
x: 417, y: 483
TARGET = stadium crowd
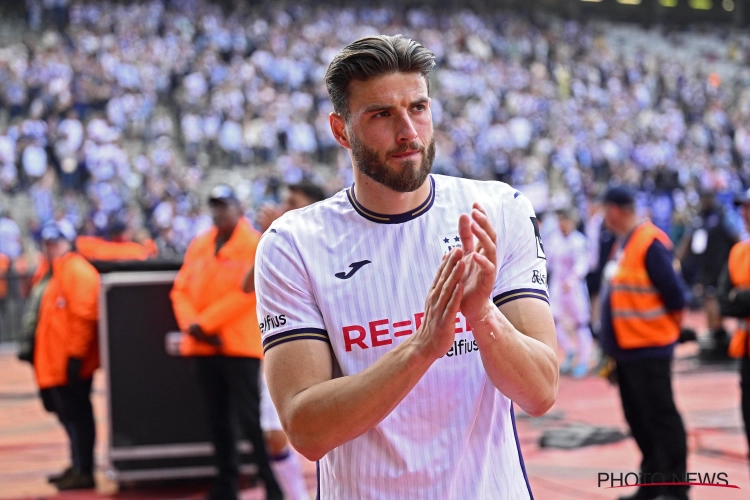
x: 120, y: 115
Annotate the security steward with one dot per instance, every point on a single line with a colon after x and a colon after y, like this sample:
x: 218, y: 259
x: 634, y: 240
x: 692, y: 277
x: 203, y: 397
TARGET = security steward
x: 66, y: 352
x: 641, y: 315
x: 223, y: 336
x: 734, y: 297
x: 119, y: 246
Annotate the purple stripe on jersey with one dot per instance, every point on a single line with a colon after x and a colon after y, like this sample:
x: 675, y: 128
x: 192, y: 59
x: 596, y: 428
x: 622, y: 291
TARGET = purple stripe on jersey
x: 317, y: 477
x: 520, y: 293
x: 520, y: 455
x: 392, y: 219
x: 295, y: 334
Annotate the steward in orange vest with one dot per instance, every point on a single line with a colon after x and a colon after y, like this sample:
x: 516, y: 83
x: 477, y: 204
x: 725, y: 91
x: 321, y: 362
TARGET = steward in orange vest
x: 118, y: 247
x: 222, y: 334
x: 4, y: 271
x: 734, y: 293
x: 639, y: 316
x: 642, y: 303
x: 98, y: 249
x: 734, y: 297
x: 207, y: 294
x: 66, y: 350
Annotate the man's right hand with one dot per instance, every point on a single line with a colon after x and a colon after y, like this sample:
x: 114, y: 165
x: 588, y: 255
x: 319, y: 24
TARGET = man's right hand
x: 198, y: 334
x: 438, y: 329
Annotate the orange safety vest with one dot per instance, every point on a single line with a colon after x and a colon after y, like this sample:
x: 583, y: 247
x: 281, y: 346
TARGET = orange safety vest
x: 639, y: 317
x: 66, y: 328
x: 208, y: 291
x: 99, y: 249
x: 4, y: 269
x: 739, y: 274
x: 21, y: 267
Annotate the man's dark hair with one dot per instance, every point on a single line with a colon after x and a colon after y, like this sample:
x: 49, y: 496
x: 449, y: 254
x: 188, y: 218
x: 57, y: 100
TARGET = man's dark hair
x: 309, y: 189
x: 371, y: 57
x: 566, y: 213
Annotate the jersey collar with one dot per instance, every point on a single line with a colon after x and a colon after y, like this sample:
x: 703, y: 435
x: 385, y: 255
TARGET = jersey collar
x: 392, y: 219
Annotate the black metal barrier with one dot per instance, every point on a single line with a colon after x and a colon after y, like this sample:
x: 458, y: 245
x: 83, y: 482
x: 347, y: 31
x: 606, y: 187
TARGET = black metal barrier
x: 156, y: 416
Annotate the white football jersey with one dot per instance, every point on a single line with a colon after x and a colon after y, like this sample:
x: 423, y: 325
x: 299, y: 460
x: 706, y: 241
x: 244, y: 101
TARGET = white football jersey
x: 358, y: 280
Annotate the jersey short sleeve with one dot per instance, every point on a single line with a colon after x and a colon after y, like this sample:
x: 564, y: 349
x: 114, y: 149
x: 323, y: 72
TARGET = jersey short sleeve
x: 285, y: 303
x: 522, y: 272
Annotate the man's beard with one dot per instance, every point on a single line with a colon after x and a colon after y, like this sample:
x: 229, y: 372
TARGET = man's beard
x: 411, y: 176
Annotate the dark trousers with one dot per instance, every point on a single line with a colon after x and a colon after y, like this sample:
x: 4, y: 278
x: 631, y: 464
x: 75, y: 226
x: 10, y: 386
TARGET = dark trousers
x: 745, y: 386
x: 231, y: 388
x: 648, y: 404
x: 72, y: 405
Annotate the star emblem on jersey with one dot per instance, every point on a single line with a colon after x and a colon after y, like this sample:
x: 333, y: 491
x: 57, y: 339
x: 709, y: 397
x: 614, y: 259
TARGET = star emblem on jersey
x: 356, y: 266
x: 449, y: 241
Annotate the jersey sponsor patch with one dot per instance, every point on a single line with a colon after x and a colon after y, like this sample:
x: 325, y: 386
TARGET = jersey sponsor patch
x: 271, y: 322
x: 538, y: 278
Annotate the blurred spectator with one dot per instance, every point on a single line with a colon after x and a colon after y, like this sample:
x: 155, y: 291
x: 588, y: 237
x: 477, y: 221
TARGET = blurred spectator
x: 10, y: 237
x: 568, y: 264
x: 298, y: 195
x: 705, y: 250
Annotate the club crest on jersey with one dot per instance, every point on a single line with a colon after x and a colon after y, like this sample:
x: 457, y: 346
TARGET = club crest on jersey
x: 449, y: 241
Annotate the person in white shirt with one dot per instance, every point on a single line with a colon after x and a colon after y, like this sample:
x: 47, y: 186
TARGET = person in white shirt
x: 398, y: 330
x: 10, y: 237
x: 34, y: 160
x: 568, y: 260
x: 70, y: 136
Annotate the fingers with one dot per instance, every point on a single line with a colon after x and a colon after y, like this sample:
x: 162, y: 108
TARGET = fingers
x: 449, y: 287
x: 454, y: 304
x: 486, y: 265
x: 464, y: 232
x: 467, y: 231
x: 439, y: 273
x: 480, y: 217
x: 486, y: 243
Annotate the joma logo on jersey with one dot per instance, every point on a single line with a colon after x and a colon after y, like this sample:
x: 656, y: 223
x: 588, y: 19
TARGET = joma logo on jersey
x: 382, y: 332
x: 271, y: 322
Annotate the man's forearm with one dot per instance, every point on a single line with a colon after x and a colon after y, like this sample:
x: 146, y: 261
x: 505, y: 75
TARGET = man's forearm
x: 519, y: 366
x: 333, y: 412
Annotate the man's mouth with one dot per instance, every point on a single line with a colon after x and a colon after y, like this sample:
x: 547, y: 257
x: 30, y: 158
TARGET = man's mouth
x: 406, y: 154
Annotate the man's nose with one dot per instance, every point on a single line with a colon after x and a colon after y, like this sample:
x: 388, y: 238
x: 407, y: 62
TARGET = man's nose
x: 406, y: 131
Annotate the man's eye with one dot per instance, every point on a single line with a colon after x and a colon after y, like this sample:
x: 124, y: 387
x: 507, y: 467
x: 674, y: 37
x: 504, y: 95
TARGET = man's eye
x: 420, y: 107
x: 382, y: 114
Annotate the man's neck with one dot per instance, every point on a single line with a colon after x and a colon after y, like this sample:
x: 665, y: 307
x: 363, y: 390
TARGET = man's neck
x: 377, y: 198
x: 223, y: 236
x: 629, y: 227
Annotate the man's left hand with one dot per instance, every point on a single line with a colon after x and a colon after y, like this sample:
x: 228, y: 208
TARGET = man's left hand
x: 480, y: 257
x: 198, y: 334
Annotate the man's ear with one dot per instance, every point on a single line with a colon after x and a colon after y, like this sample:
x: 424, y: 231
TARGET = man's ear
x: 338, y: 128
